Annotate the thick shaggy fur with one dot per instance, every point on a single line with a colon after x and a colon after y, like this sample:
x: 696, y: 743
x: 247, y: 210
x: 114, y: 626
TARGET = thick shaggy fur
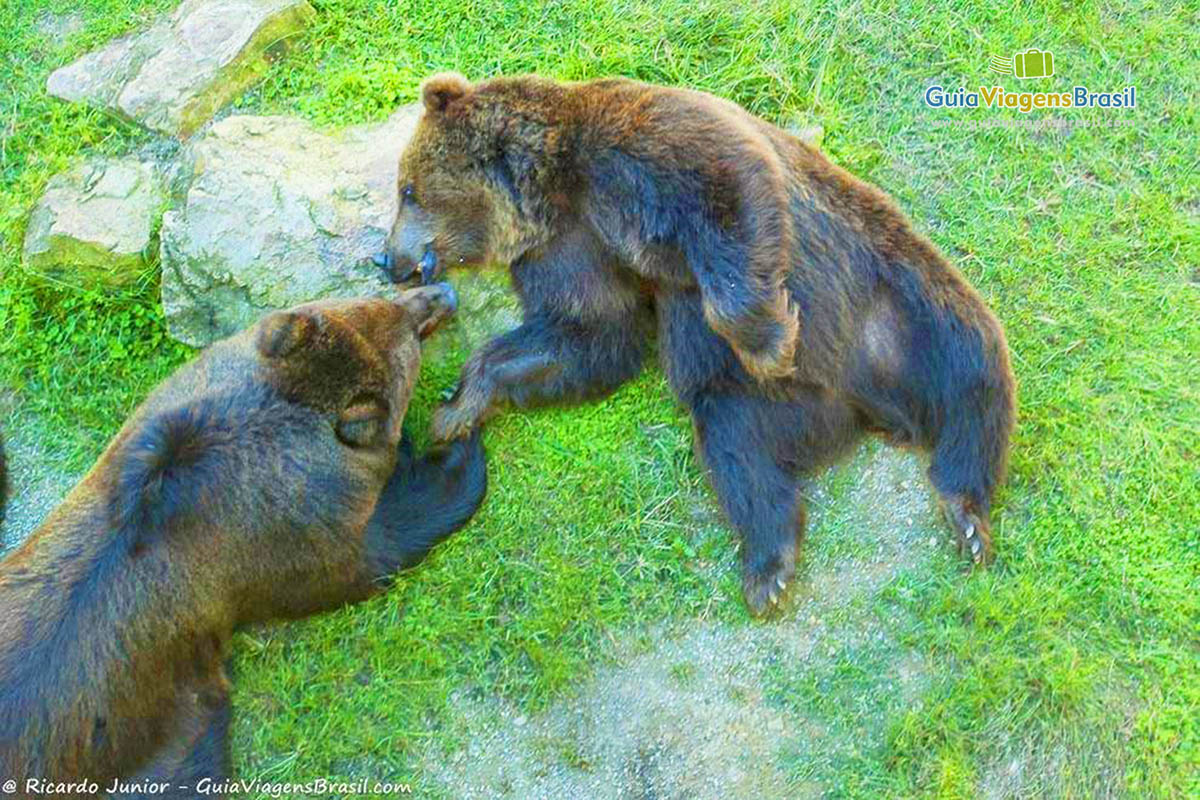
x: 795, y: 308
x: 265, y: 479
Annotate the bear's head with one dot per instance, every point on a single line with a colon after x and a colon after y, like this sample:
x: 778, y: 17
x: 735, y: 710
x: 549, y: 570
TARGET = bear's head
x: 472, y: 178
x: 354, y: 362
x: 263, y: 459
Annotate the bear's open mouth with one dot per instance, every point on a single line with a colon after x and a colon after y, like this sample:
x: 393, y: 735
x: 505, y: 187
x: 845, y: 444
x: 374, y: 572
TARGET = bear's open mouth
x: 400, y: 272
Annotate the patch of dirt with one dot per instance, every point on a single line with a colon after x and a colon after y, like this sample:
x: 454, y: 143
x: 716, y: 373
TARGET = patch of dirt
x: 35, y: 486
x: 687, y: 719
x: 761, y: 710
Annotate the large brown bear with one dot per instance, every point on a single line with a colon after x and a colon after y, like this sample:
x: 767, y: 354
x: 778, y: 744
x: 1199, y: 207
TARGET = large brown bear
x: 795, y: 307
x: 264, y: 479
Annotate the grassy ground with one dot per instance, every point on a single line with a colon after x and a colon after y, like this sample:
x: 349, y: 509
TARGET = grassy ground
x: 1077, y: 656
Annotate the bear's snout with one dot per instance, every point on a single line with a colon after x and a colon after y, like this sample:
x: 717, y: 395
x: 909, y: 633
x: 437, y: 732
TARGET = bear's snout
x: 430, y: 306
x: 400, y: 270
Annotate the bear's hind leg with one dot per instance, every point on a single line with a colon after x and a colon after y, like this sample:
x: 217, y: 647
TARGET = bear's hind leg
x: 969, y: 456
x: 755, y: 449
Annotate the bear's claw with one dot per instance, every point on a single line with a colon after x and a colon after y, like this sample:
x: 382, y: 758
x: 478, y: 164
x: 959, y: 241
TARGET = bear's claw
x: 766, y: 590
x: 974, y: 542
x: 451, y: 422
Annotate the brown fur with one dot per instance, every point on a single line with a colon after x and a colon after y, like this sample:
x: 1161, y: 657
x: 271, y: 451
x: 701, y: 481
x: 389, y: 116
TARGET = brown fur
x: 243, y: 489
x: 794, y: 305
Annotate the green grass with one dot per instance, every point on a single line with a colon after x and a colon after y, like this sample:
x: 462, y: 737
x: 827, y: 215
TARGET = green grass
x: 1086, y: 243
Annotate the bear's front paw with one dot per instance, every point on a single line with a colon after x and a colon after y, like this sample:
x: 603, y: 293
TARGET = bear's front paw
x: 453, y: 421
x: 764, y: 340
x: 764, y: 588
x: 772, y: 357
x: 468, y: 409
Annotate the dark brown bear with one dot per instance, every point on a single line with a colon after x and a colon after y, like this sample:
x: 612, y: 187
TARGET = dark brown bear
x: 264, y: 479
x: 626, y: 209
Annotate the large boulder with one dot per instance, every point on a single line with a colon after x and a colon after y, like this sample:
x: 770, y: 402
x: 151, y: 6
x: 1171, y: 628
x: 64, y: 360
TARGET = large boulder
x: 278, y: 213
x: 95, y: 224
x: 173, y: 76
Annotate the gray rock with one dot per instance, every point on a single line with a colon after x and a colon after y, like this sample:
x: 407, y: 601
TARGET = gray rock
x: 95, y: 224
x: 173, y: 76
x: 278, y: 213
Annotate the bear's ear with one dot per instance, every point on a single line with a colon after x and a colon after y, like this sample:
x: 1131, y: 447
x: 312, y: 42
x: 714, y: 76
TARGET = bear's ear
x: 439, y: 91
x: 283, y: 332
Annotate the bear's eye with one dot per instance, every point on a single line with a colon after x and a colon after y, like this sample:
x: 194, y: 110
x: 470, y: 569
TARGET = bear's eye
x: 408, y: 194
